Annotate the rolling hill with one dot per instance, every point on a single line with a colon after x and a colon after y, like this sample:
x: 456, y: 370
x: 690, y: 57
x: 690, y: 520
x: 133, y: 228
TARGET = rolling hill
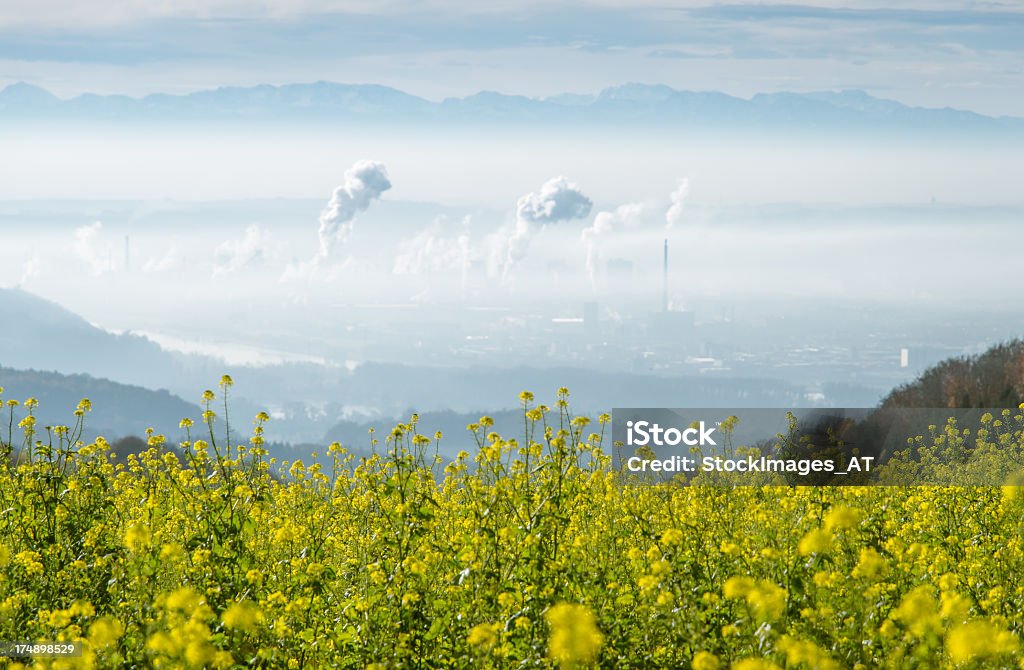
x: 119, y: 410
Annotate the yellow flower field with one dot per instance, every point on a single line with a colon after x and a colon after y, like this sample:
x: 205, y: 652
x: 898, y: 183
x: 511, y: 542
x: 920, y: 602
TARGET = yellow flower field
x: 531, y: 552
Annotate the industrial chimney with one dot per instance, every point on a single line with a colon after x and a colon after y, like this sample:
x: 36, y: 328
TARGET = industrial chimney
x: 664, y: 281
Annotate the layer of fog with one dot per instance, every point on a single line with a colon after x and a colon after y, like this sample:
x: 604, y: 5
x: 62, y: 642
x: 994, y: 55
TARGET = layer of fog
x: 469, y: 250
x: 481, y: 168
x: 191, y: 274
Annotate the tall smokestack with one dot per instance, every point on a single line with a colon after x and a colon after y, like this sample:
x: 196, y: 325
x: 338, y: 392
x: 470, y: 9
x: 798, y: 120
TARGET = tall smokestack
x: 664, y: 281
x: 127, y: 254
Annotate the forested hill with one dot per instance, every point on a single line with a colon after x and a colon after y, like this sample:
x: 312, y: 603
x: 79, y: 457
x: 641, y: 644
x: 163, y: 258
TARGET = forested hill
x: 994, y: 378
x: 118, y: 409
x: 46, y: 336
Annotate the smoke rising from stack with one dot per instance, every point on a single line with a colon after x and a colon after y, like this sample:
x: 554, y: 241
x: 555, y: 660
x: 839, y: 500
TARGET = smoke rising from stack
x: 364, y: 182
x: 558, y: 200
x: 169, y: 261
x: 441, y: 247
x: 678, y: 198
x: 88, y: 250
x: 249, y: 252
x: 664, y: 279
x: 605, y: 224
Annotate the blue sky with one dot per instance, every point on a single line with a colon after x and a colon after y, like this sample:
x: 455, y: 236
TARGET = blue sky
x: 933, y: 53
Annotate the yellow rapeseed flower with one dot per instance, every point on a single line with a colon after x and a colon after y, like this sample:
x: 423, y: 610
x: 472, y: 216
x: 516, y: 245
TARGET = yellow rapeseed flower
x: 672, y: 537
x: 483, y: 636
x: 978, y: 640
x: 919, y: 612
x: 737, y: 587
x: 137, y: 537
x: 162, y: 643
x: 755, y: 664
x: 817, y: 541
x: 242, y: 616
x: 804, y: 653
x: 183, y: 599
x: 767, y: 600
x: 105, y: 631
x: 575, y: 637
x: 871, y: 564
x: 841, y: 517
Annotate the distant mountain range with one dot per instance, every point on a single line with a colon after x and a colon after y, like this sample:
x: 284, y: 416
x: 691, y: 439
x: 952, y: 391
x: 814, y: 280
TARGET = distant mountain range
x: 632, y: 104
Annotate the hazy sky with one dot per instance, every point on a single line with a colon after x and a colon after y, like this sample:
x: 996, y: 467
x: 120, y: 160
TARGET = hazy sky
x: 925, y: 52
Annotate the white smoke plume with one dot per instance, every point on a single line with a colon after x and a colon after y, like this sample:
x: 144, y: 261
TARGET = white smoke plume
x: 30, y: 269
x: 441, y: 247
x: 364, y: 182
x: 678, y: 197
x: 249, y: 252
x: 97, y: 258
x: 170, y: 261
x: 558, y: 200
x: 604, y: 225
x: 494, y: 249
